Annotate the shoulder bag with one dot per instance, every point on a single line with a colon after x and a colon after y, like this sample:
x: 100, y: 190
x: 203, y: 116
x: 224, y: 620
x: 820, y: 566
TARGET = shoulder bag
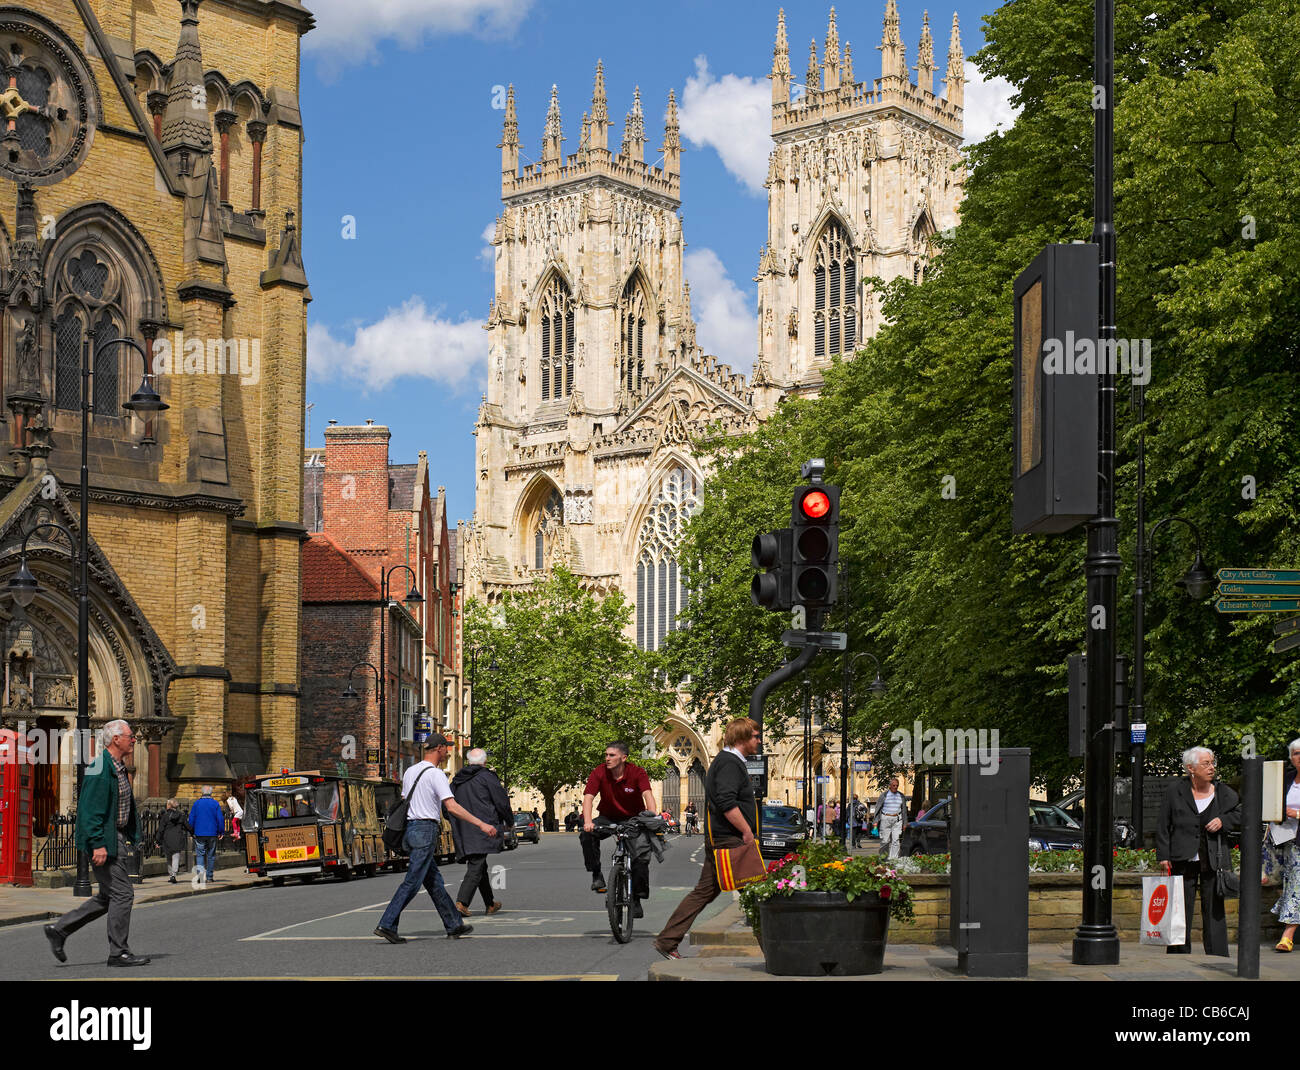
x: 395, y: 822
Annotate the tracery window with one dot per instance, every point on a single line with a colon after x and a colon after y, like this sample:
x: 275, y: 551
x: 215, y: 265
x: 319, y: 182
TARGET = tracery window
x: 549, y: 521
x: 90, y: 297
x: 835, y: 313
x: 631, y: 345
x: 660, y: 594
x: 557, y: 340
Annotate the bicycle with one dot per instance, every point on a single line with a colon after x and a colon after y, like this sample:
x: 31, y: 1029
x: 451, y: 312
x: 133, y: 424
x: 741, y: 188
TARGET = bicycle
x: 619, y: 900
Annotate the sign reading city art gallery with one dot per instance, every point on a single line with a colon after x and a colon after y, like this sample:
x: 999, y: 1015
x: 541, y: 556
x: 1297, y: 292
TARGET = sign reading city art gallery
x: 1258, y: 575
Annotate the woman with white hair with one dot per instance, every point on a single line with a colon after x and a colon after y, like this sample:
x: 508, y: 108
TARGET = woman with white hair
x: 1281, y: 855
x: 1197, y: 818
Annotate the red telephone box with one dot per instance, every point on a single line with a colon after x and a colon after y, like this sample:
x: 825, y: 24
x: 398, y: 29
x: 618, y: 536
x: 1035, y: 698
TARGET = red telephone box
x: 15, y: 810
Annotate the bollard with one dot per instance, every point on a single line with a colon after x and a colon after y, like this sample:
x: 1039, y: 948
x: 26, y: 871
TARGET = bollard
x: 1252, y: 820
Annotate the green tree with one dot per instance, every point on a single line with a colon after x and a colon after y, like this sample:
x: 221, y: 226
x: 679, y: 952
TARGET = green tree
x: 567, y: 682
x: 973, y: 624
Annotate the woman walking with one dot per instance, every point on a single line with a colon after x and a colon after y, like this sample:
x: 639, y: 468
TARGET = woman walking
x: 1281, y: 857
x: 172, y: 838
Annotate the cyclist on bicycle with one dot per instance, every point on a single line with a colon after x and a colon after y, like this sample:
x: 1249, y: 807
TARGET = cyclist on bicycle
x: 624, y: 792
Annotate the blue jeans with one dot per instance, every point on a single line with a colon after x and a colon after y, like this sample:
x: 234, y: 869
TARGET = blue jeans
x: 421, y: 840
x: 205, y: 853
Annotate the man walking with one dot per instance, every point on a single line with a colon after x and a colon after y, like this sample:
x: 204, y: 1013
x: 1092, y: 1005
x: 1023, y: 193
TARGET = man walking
x: 206, y: 825
x: 425, y: 785
x: 731, y: 819
x: 479, y: 791
x: 107, y: 825
x: 891, y: 815
x: 624, y: 791
x: 858, y: 816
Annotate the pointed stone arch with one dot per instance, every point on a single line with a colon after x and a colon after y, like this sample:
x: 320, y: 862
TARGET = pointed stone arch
x: 553, y: 267
x: 638, y: 316
x: 832, y: 282
x: 659, y: 592
x: 831, y: 211
x: 539, y: 521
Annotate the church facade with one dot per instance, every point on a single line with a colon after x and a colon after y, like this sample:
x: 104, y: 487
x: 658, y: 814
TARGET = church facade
x: 150, y: 174
x: 597, y: 387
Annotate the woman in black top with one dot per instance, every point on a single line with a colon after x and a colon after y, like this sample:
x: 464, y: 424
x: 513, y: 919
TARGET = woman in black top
x: 1197, y: 819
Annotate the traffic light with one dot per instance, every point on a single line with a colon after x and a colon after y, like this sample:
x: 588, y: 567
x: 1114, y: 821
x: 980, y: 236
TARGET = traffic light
x: 771, y: 551
x: 815, y: 545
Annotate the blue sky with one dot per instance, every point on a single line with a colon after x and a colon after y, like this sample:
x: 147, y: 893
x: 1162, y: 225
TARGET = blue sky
x: 401, y: 136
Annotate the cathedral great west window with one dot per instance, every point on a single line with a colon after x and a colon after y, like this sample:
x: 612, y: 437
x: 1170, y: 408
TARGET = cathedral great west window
x: 557, y: 341
x: 835, y: 298
x: 660, y: 595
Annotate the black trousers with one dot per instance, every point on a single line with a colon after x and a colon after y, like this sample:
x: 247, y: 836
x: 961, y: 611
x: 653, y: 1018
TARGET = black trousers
x: 476, y: 879
x: 640, y: 861
x: 1214, y: 925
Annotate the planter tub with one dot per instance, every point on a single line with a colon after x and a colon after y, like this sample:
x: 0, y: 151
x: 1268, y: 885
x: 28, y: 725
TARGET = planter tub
x: 820, y: 934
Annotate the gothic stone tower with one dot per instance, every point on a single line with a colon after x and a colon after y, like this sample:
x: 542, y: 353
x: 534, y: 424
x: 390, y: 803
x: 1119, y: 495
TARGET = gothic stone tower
x: 595, y: 383
x: 860, y: 177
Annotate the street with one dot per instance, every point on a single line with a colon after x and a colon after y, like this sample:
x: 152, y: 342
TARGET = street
x: 552, y: 926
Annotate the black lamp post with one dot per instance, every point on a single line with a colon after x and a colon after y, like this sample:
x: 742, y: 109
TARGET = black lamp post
x: 24, y: 587
x: 351, y: 692
x: 474, y: 652
x: 413, y: 598
x: 1197, y: 582
x: 878, y: 689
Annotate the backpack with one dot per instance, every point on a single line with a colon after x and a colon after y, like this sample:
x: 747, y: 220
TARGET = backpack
x: 395, y: 822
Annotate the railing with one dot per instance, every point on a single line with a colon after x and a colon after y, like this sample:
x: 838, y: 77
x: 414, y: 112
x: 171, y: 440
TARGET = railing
x: 59, y: 851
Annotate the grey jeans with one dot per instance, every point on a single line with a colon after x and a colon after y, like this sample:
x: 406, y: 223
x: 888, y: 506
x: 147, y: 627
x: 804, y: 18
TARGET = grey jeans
x: 115, y: 898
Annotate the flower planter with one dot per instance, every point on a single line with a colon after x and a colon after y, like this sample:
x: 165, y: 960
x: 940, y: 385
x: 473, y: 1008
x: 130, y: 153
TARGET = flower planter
x: 821, y: 934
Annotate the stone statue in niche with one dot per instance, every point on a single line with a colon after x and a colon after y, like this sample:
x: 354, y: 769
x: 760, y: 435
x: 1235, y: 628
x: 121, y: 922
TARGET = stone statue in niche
x: 28, y: 360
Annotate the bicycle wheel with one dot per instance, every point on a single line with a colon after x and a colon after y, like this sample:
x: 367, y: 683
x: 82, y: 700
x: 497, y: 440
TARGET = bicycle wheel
x: 618, y: 900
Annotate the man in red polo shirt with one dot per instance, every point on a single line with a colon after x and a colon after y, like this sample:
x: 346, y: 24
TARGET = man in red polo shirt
x: 624, y: 791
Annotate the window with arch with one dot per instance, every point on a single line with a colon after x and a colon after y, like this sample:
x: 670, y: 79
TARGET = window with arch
x: 549, y: 520
x: 835, y: 281
x: 660, y: 595
x: 557, y: 340
x: 89, y: 299
x: 631, y: 342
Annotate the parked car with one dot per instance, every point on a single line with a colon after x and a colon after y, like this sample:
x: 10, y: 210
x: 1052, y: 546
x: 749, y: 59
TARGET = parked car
x: 1050, y: 829
x: 1072, y: 804
x: 782, y: 829
x: 527, y: 828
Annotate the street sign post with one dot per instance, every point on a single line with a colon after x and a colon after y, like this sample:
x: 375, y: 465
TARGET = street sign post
x: 1259, y: 590
x: 1287, y: 626
x: 1258, y: 575
x: 1286, y: 642
x: 825, y: 640
x: 1258, y: 605
x: 862, y: 767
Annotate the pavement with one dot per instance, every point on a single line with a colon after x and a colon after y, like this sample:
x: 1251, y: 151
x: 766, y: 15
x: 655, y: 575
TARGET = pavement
x: 724, y: 949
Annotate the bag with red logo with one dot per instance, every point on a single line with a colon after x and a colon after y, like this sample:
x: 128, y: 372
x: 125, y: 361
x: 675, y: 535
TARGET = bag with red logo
x: 1164, y: 914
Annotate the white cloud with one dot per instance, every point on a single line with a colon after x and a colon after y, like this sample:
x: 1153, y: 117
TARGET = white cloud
x: 409, y: 342
x: 726, y: 323
x: 732, y: 115
x: 988, y: 104
x: 488, y: 254
x: 347, y: 32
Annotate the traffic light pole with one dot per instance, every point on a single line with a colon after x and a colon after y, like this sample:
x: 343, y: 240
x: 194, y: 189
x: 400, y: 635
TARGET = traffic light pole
x: 1096, y: 941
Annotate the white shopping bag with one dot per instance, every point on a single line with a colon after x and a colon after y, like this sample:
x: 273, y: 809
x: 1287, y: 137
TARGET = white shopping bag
x: 1164, y: 911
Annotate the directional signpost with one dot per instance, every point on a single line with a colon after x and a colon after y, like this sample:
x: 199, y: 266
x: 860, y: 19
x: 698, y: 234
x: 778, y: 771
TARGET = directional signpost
x: 1288, y: 634
x: 1258, y: 590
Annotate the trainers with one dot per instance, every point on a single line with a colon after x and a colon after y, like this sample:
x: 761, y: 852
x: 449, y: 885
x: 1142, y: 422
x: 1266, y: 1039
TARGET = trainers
x: 389, y: 935
x: 56, y: 943
x: 666, y: 953
x: 464, y: 910
x: 493, y: 908
x: 456, y: 934
x: 598, y: 881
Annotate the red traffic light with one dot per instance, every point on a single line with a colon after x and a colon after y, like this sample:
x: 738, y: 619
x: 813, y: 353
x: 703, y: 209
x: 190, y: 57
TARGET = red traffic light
x: 815, y: 504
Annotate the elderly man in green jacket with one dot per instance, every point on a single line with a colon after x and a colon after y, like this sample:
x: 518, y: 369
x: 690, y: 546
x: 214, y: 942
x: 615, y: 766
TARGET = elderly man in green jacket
x: 107, y: 824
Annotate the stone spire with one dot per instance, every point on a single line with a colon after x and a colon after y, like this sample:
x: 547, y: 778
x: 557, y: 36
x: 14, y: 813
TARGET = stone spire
x: 554, y: 134
x: 955, y: 77
x: 672, y: 138
x: 510, y: 136
x: 634, y: 130
x: 599, y: 111
x: 780, y: 75
x: 831, y: 62
x: 925, y: 57
x: 185, y: 126
x: 846, y: 75
x: 893, y: 53
x: 584, y: 137
x: 814, y: 72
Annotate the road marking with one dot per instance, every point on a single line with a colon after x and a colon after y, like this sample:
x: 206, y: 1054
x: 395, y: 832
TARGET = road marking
x: 309, y: 921
x: 380, y: 977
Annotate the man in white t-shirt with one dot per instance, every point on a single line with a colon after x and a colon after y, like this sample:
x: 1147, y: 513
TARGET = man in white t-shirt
x: 425, y: 785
